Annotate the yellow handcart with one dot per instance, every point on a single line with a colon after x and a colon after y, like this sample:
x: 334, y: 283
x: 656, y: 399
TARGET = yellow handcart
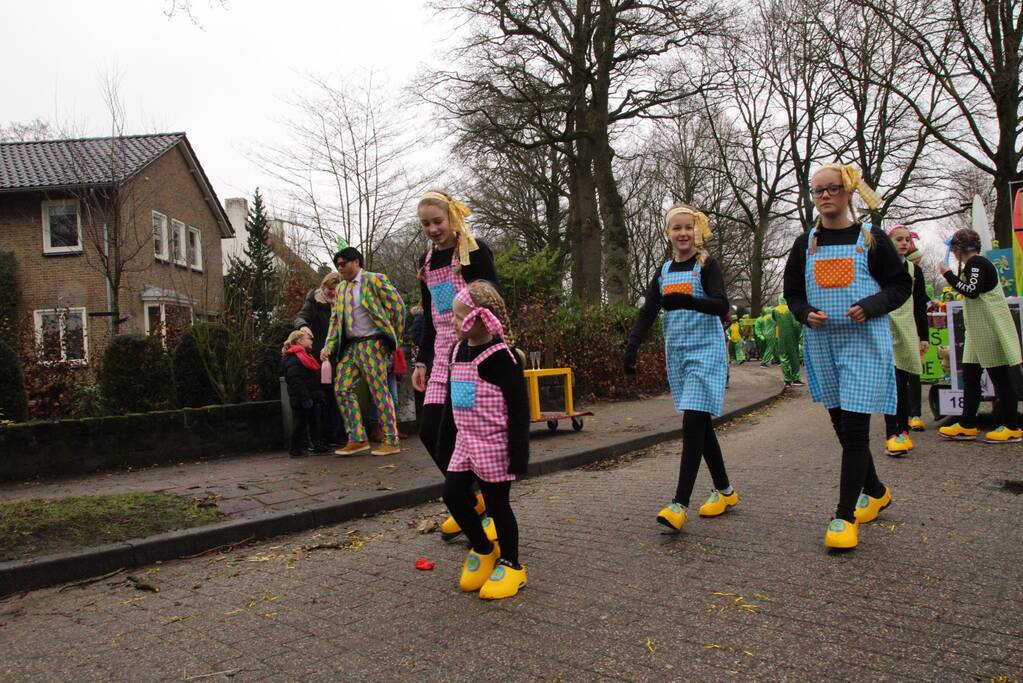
x: 552, y: 418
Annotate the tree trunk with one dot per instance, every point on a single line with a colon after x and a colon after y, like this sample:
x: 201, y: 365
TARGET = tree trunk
x: 552, y: 203
x: 756, y: 276
x: 612, y: 207
x: 612, y: 211
x: 585, y: 238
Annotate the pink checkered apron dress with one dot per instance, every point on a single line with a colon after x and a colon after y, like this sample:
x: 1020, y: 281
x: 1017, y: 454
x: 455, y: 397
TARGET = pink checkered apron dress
x: 481, y: 416
x: 444, y: 284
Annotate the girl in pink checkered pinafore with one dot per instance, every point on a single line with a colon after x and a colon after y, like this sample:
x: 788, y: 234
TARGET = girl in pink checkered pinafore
x: 484, y: 432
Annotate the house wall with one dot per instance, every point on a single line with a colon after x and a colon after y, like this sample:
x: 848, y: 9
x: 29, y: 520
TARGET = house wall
x: 51, y: 281
x: 75, y: 280
x: 168, y: 187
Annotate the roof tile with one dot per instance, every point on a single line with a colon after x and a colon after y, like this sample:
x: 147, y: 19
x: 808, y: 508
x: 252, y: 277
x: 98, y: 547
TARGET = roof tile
x: 87, y: 161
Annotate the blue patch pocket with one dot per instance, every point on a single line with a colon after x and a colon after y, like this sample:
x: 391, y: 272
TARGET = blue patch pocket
x: 443, y: 294
x: 463, y: 394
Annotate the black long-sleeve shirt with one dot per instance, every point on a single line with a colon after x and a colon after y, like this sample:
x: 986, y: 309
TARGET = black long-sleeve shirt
x: 883, y: 262
x: 481, y: 267
x: 506, y: 374
x: 920, y: 301
x: 713, y: 302
x: 978, y: 275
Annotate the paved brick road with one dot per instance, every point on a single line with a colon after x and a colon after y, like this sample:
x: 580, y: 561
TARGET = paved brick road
x: 933, y: 592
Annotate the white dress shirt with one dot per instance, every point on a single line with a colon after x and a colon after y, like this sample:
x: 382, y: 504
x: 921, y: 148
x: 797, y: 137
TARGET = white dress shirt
x: 360, y: 324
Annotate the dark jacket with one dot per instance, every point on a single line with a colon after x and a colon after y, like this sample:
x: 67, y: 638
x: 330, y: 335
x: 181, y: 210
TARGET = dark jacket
x: 416, y: 330
x: 303, y: 383
x: 315, y: 315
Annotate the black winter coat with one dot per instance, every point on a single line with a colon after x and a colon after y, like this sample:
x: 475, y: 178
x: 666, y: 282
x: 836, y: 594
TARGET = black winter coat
x: 315, y: 316
x: 303, y: 383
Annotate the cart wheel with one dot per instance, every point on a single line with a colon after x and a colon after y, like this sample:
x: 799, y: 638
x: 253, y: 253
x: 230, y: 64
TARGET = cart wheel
x: 577, y: 424
x: 552, y: 425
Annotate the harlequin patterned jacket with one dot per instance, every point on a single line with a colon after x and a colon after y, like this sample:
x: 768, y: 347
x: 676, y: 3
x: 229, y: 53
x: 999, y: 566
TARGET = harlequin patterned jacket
x: 384, y: 305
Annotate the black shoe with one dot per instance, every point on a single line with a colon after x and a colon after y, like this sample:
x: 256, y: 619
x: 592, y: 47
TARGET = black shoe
x: 798, y: 383
x: 322, y: 449
x: 763, y: 365
x: 788, y: 384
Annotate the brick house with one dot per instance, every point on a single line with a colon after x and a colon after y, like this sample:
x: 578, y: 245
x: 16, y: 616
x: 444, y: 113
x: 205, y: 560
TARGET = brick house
x: 82, y: 216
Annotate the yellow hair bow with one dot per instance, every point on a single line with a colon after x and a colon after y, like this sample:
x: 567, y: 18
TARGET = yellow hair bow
x: 702, y: 223
x: 853, y: 181
x: 457, y: 213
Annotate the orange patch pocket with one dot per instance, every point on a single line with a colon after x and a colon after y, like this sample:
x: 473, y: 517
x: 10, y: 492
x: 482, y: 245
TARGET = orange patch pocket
x: 834, y: 273
x: 678, y: 288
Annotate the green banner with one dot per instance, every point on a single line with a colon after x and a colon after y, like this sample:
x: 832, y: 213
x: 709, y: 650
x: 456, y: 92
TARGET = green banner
x: 933, y: 372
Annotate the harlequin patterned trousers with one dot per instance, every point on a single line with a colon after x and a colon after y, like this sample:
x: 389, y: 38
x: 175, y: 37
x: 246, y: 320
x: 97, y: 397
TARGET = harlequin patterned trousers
x: 370, y: 359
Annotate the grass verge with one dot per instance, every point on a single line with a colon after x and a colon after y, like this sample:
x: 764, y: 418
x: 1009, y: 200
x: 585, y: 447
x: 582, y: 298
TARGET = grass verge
x: 42, y: 526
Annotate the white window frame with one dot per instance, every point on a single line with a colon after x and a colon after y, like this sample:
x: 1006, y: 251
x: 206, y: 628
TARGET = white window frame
x: 47, y: 247
x: 180, y: 236
x: 164, y: 253
x: 194, y: 257
x: 61, y: 314
x: 163, y: 316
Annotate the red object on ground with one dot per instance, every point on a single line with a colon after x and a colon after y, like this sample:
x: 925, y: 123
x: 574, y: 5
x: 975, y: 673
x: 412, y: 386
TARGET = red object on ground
x: 424, y: 565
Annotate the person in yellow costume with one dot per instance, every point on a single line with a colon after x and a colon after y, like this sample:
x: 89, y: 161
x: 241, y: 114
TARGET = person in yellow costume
x: 788, y: 333
x: 734, y: 335
x: 764, y: 329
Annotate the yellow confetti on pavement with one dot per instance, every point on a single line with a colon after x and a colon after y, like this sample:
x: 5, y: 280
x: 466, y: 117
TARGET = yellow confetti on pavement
x: 650, y: 645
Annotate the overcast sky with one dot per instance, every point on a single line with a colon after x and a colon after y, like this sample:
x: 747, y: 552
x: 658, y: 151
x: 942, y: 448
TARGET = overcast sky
x: 226, y: 83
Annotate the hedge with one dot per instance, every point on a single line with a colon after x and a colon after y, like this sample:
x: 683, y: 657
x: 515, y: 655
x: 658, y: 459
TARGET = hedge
x: 136, y: 375
x: 62, y: 447
x: 13, y: 399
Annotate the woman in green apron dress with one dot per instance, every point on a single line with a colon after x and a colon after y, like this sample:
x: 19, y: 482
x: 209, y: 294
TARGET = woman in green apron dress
x: 992, y: 342
x: 909, y: 342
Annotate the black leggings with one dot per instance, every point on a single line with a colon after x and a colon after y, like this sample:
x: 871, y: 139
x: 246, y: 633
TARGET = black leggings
x: 458, y: 489
x: 914, y: 396
x: 698, y: 442
x: 305, y: 426
x: 858, y: 473
x: 429, y: 429
x: 1007, y: 414
x: 899, y: 423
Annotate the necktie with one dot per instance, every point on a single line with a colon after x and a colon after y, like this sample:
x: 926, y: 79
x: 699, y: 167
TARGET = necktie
x: 350, y: 306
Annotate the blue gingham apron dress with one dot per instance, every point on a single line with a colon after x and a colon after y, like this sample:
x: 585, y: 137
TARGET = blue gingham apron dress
x: 694, y: 349
x: 848, y: 364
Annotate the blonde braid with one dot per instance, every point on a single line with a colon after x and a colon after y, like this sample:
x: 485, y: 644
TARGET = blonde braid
x: 485, y: 295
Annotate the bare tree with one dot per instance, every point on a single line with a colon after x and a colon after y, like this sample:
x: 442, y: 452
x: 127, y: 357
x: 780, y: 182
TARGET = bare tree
x: 753, y: 154
x: 970, y: 51
x: 347, y: 163
x: 518, y: 194
x: 881, y: 133
x: 553, y: 73
x: 796, y: 59
x: 116, y: 235
x: 34, y: 130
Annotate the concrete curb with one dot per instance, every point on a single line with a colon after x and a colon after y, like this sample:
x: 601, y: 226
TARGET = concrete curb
x: 18, y: 576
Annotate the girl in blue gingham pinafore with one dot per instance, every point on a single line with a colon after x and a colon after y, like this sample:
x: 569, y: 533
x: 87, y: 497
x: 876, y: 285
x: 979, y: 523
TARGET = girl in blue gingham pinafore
x: 841, y: 280
x: 696, y: 358
x: 849, y: 365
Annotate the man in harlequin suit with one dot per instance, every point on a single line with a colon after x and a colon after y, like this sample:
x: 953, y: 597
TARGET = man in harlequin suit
x: 367, y: 324
x: 789, y: 331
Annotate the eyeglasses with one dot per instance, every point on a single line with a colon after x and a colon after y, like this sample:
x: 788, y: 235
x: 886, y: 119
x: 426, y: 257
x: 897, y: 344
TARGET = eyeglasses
x: 820, y: 190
